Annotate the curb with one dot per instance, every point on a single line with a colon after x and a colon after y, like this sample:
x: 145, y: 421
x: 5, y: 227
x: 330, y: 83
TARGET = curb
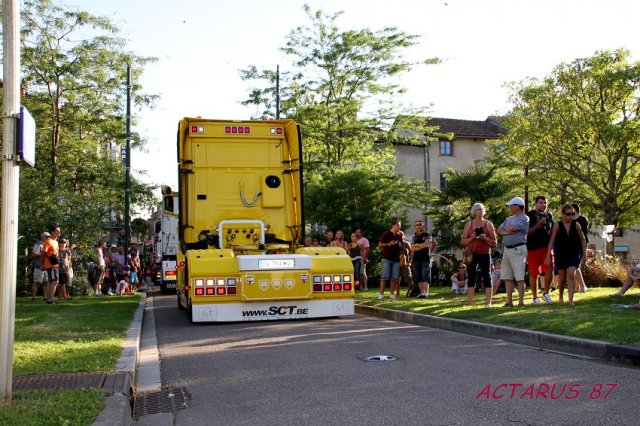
x: 545, y: 341
x: 117, y: 410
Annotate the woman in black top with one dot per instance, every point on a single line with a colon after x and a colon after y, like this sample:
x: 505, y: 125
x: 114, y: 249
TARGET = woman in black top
x: 569, y: 248
x: 584, y: 224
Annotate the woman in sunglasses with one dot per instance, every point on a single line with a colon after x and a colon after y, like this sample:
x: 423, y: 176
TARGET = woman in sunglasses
x: 570, y: 250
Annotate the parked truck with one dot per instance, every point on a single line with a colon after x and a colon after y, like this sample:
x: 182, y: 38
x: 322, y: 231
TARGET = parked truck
x: 240, y: 227
x: 166, y: 230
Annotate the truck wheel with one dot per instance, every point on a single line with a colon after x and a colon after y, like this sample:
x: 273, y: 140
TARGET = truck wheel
x: 179, y: 304
x: 190, y: 311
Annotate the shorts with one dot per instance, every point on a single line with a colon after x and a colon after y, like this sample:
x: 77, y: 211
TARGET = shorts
x: 566, y: 262
x: 514, y: 263
x: 390, y: 270
x: 64, y: 278
x: 536, y: 259
x: 52, y: 275
x: 134, y: 277
x: 39, y: 276
x: 422, y: 271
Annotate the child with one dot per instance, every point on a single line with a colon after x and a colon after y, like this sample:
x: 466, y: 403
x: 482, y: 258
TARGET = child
x: 496, y: 282
x: 459, y: 280
x: 124, y: 286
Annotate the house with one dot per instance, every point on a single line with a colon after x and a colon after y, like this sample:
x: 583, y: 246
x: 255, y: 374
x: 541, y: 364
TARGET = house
x: 430, y: 161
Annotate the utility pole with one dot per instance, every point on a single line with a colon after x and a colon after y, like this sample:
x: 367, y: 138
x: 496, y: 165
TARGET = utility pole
x: 277, y: 91
x: 127, y: 171
x: 10, y: 180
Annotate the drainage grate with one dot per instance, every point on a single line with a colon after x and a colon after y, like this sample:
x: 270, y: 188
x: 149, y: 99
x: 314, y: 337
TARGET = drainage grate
x: 164, y: 401
x: 59, y: 381
x: 380, y: 358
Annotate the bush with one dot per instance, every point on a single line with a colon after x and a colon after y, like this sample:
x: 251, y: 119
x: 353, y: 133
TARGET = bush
x: 601, y: 273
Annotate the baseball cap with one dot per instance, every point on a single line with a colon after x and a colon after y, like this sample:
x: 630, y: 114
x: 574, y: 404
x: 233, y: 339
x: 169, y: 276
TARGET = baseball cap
x: 113, y: 246
x: 62, y: 240
x: 45, y: 234
x: 516, y: 201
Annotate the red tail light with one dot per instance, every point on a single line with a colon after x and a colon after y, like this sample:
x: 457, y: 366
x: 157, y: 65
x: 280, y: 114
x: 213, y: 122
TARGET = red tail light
x: 337, y: 287
x: 199, y: 291
x: 317, y: 287
x: 347, y: 287
x: 210, y: 292
x: 327, y: 287
x: 221, y: 291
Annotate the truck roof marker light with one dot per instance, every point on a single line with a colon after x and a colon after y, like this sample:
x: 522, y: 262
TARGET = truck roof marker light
x: 245, y: 130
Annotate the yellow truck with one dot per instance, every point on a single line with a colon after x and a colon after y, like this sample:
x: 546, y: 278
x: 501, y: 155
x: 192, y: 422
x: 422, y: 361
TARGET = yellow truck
x: 240, y: 227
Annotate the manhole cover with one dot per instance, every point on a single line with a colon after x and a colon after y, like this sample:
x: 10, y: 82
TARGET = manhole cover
x: 381, y: 358
x: 164, y: 401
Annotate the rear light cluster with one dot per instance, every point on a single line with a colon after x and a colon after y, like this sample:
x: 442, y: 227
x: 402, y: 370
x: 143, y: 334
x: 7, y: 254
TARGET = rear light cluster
x: 323, y: 283
x: 215, y: 286
x: 197, y: 129
x: 237, y: 129
x: 276, y: 130
x: 171, y: 273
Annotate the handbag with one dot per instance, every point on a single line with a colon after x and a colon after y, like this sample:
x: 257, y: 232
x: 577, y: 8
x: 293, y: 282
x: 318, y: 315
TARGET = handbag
x: 468, y: 254
x: 54, y: 260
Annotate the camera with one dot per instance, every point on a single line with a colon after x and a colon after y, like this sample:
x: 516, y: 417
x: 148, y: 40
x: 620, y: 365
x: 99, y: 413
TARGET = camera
x: 479, y: 232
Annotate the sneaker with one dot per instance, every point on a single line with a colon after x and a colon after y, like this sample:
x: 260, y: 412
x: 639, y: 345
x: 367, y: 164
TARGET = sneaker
x: 584, y: 289
x: 380, y: 296
x: 422, y: 296
x: 392, y: 296
x: 508, y: 305
x: 536, y: 301
x: 619, y: 306
x: 520, y: 305
x: 547, y: 298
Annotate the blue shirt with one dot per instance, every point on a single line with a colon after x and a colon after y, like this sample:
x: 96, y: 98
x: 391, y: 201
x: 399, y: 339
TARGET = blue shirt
x: 521, y: 223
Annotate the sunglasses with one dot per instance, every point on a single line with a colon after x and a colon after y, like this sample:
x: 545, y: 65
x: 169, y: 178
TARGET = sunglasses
x: 570, y: 213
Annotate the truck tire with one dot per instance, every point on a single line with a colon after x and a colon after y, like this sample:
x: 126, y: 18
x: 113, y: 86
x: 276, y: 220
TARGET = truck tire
x: 190, y: 311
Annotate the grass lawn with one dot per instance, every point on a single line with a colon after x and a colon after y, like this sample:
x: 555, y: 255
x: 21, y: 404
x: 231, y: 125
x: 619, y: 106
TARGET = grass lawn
x: 85, y: 334
x: 592, y: 316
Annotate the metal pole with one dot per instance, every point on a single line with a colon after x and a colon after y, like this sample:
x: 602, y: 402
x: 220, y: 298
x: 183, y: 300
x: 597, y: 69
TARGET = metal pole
x: 127, y: 197
x: 10, y: 180
x: 278, y: 91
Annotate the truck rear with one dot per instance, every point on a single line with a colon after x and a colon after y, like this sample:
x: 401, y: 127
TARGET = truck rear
x: 240, y: 227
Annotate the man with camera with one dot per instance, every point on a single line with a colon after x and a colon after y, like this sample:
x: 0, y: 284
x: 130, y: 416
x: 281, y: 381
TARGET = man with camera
x: 540, y: 223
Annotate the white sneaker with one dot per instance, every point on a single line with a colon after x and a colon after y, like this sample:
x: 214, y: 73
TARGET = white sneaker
x: 536, y: 301
x: 392, y: 296
x: 380, y: 296
x: 547, y: 298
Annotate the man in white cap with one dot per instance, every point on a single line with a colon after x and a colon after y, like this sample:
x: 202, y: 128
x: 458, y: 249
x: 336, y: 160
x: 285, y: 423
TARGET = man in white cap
x: 514, y: 238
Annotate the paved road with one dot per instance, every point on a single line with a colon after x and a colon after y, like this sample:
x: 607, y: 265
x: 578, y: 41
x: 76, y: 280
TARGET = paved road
x: 313, y: 373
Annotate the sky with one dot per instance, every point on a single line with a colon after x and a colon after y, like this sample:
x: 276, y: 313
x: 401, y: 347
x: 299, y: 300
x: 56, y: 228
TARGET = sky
x: 483, y: 44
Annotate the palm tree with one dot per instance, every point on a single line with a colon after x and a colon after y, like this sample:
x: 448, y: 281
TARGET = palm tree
x: 450, y: 206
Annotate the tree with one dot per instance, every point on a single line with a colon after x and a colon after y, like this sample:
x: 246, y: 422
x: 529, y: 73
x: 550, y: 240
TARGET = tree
x: 337, y: 79
x: 450, y: 208
x: 373, y: 200
x: 74, y: 68
x: 578, y: 132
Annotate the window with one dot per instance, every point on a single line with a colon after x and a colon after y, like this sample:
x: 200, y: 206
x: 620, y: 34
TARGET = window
x: 443, y: 181
x: 446, y: 148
